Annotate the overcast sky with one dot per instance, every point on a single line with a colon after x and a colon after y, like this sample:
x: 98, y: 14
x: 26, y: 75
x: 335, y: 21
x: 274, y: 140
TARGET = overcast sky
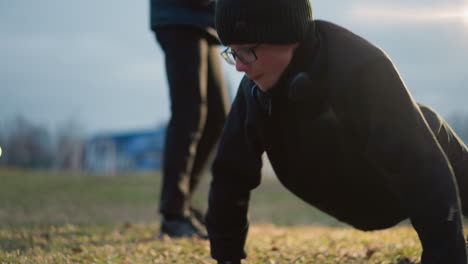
x: 97, y: 62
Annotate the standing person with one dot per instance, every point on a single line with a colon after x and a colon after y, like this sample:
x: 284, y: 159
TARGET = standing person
x: 199, y: 104
x: 340, y: 128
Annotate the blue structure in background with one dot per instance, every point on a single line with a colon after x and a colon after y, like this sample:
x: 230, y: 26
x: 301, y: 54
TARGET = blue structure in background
x: 123, y: 152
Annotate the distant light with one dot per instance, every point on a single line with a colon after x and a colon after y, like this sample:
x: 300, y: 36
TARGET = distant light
x: 0, y: 151
x: 465, y: 15
x: 401, y: 14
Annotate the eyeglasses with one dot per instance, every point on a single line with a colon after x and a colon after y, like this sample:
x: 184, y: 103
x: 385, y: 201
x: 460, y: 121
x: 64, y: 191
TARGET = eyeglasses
x: 245, y: 55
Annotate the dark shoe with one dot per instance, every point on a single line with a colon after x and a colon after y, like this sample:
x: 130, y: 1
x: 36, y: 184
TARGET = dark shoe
x: 183, y: 227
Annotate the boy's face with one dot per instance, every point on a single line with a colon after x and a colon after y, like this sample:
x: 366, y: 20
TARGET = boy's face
x: 271, y: 62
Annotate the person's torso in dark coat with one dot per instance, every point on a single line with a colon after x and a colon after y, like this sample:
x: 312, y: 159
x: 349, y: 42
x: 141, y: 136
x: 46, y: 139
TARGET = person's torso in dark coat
x: 321, y: 149
x: 198, y: 14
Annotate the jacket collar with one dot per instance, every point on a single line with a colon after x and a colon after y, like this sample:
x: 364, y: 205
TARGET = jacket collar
x: 303, y: 79
x: 310, y: 58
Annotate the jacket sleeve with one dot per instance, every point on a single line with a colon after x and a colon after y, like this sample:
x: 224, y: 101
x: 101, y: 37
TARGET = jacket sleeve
x: 236, y: 171
x: 414, y: 165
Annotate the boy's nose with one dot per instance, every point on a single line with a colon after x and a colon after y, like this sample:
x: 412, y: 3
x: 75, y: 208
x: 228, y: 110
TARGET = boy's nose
x: 241, y: 67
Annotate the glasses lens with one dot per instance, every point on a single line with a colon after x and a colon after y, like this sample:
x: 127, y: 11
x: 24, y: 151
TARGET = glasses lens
x: 228, y: 57
x: 247, y: 55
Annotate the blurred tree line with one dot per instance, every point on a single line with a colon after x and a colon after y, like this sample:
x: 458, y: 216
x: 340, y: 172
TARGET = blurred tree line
x: 26, y: 144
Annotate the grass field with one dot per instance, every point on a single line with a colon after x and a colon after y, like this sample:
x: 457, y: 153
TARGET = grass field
x: 75, y: 218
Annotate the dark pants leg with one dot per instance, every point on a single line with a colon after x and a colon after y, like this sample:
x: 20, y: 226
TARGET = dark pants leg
x: 199, y: 104
x: 454, y: 148
x: 218, y: 107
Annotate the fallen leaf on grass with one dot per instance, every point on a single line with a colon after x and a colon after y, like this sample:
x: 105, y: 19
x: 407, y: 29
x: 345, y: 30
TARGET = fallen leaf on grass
x: 77, y: 250
x: 370, y: 252
x: 46, y: 236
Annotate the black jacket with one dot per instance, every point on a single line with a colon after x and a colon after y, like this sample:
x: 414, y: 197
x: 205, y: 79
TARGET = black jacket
x: 198, y: 14
x: 351, y: 141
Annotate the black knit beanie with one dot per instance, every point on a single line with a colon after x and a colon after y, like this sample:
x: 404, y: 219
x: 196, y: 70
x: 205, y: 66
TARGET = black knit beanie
x: 262, y: 21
